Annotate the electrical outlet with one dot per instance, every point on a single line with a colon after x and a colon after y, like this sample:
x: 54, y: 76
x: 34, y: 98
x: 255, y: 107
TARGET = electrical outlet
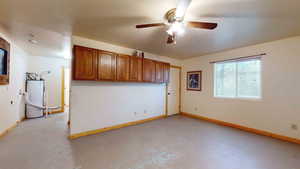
x: 196, y: 108
x: 294, y: 126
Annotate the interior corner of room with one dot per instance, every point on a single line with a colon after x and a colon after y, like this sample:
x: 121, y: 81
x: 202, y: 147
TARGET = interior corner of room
x: 171, y: 81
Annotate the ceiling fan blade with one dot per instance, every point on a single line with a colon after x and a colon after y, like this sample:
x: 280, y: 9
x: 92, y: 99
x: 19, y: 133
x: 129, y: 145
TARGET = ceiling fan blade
x: 171, y: 39
x: 202, y: 25
x: 149, y: 25
x: 181, y: 8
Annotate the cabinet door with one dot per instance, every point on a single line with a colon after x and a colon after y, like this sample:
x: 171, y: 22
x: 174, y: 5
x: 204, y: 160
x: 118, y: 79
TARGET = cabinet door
x: 136, y: 69
x: 159, y: 72
x: 85, y: 63
x: 148, y: 70
x: 106, y: 65
x: 123, y: 67
x: 167, y: 72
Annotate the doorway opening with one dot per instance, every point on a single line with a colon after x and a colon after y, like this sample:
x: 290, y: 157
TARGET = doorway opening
x: 65, y: 92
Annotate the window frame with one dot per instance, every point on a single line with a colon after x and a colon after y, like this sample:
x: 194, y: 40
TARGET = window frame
x: 236, y: 97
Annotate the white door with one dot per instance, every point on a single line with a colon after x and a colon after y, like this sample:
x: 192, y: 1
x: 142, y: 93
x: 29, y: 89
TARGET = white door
x: 173, y: 92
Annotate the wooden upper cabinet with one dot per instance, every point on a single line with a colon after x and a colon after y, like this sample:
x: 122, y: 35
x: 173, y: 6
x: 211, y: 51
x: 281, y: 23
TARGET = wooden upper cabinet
x: 94, y: 64
x: 106, y: 65
x: 123, y: 66
x: 148, y: 70
x: 159, y: 72
x: 167, y: 67
x: 85, y: 63
x: 136, y: 69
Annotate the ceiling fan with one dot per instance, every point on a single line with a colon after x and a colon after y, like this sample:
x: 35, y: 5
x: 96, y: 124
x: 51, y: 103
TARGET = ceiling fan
x: 175, y: 22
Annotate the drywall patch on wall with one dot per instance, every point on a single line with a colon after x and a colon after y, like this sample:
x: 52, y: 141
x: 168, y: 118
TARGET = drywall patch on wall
x: 279, y: 107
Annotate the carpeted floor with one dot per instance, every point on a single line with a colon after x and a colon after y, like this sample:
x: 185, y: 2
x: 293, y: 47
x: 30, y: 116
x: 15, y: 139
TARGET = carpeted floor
x: 173, y: 143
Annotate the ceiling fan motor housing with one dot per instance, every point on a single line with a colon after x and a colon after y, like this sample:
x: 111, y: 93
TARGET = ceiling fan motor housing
x: 170, y: 16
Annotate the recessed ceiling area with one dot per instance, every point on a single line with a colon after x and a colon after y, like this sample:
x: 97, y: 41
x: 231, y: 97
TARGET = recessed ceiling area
x: 240, y: 23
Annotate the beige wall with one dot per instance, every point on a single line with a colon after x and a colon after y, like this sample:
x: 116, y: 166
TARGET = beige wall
x: 95, y: 105
x: 280, y: 103
x: 10, y: 113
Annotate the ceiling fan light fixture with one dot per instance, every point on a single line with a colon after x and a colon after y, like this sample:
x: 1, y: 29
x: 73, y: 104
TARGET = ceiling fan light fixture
x: 175, y: 23
x: 176, y: 28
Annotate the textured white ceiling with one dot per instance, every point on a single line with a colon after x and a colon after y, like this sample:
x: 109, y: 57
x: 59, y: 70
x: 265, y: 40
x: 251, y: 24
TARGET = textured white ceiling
x: 241, y: 23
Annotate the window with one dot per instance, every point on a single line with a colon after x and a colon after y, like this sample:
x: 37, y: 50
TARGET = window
x: 238, y: 79
x: 3, y: 62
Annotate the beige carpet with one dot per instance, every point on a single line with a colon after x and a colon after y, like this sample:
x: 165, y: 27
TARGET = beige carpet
x: 173, y: 143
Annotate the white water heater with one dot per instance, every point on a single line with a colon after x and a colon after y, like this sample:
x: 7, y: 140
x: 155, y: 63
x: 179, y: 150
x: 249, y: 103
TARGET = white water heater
x: 36, y: 91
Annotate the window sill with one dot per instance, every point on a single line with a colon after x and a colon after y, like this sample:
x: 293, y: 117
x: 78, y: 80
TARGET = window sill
x: 240, y: 98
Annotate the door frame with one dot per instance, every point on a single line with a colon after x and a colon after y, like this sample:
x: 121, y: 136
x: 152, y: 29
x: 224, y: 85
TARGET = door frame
x: 62, y: 102
x: 167, y: 85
